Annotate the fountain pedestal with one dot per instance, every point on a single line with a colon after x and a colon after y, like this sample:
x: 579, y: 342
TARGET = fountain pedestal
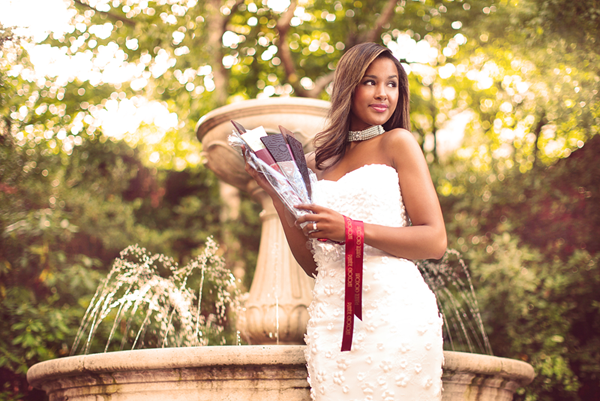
x: 276, y: 309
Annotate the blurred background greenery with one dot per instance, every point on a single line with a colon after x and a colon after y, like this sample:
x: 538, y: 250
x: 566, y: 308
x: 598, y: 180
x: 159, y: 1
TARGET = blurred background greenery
x: 98, y: 151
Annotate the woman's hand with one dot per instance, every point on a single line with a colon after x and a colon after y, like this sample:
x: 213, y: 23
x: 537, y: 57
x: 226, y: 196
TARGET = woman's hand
x: 329, y: 224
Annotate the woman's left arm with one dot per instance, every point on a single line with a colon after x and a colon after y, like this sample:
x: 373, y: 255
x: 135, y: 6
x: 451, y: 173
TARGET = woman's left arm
x: 426, y: 237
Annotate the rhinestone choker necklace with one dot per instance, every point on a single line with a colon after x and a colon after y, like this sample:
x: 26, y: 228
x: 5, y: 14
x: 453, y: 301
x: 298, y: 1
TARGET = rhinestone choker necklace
x: 363, y: 135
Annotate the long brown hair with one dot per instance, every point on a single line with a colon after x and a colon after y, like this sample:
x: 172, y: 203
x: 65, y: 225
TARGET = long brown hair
x: 331, y: 143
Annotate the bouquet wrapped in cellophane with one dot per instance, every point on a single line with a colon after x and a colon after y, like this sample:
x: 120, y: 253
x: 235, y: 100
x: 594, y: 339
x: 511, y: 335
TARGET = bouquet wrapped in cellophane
x: 280, y: 158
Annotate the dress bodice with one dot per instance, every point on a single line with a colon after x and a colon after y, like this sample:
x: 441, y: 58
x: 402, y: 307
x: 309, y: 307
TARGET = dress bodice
x: 370, y: 193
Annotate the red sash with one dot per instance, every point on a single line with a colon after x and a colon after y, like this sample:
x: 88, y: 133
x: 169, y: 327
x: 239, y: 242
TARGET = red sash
x: 355, y: 236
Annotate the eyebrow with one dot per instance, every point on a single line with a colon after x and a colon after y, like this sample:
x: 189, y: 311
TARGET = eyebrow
x: 375, y: 76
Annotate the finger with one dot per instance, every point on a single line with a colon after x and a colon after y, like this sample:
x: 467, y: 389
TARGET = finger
x: 307, y: 218
x: 302, y: 206
x: 311, y: 207
x: 302, y: 219
x: 305, y: 223
x: 311, y: 230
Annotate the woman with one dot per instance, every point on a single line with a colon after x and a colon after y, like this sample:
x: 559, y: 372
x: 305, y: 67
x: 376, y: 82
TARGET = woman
x: 378, y: 176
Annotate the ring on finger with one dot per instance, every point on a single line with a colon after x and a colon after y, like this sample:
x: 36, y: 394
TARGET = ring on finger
x: 314, y: 226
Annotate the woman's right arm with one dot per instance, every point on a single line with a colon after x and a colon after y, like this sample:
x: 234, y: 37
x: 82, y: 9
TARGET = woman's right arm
x: 293, y: 234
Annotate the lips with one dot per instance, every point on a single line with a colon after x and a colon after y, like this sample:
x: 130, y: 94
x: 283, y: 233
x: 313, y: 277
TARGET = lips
x: 380, y: 108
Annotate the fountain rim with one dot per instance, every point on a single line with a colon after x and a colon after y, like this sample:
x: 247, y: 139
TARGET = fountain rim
x: 252, y: 355
x: 257, y: 107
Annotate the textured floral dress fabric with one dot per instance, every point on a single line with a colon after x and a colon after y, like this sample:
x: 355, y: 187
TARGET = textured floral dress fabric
x: 397, y: 347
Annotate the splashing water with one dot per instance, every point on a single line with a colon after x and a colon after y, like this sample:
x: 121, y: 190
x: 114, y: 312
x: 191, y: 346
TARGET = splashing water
x: 148, y: 310
x: 450, y: 281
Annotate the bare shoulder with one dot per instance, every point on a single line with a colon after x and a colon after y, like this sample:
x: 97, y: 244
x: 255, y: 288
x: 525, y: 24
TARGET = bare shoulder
x: 399, y: 137
x: 400, y: 145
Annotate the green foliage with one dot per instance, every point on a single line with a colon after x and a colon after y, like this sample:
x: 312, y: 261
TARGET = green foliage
x: 531, y: 242
x: 543, y: 312
x: 543, y: 102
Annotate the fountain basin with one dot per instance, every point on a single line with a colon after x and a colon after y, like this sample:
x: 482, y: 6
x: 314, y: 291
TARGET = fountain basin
x: 241, y: 373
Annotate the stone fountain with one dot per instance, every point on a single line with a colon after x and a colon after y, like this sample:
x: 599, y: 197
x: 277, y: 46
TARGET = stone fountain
x: 275, y: 311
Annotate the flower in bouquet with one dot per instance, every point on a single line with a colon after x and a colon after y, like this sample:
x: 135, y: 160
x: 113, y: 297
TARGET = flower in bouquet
x: 281, y: 160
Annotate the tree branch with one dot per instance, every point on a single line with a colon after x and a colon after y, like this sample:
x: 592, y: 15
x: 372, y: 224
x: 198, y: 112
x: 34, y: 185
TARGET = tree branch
x: 215, y: 27
x: 537, y: 132
x: 126, y: 21
x: 227, y: 18
x: 283, y: 48
x: 320, y: 84
x: 384, y: 18
x: 283, y: 27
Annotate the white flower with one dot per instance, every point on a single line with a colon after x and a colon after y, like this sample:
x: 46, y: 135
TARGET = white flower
x: 367, y: 388
x: 342, y: 364
x: 418, y: 368
x: 402, y: 380
x: 321, y: 376
x: 386, y: 366
x: 338, y: 378
x: 328, y: 289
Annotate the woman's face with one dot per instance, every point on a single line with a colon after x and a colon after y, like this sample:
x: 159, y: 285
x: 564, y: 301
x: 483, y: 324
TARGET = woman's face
x: 376, y: 96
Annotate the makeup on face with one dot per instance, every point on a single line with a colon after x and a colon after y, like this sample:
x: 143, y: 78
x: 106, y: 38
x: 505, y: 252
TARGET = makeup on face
x: 376, y: 96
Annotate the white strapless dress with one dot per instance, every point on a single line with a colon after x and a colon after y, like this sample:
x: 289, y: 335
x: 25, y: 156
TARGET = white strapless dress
x: 397, y: 347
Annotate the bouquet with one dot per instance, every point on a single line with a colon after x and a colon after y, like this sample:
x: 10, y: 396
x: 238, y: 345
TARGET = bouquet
x: 280, y: 158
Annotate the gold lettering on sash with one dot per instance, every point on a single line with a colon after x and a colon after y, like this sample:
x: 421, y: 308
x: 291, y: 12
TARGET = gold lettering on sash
x: 349, y: 317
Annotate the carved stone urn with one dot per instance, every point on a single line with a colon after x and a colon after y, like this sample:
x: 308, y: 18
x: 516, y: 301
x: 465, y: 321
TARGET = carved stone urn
x: 276, y: 309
